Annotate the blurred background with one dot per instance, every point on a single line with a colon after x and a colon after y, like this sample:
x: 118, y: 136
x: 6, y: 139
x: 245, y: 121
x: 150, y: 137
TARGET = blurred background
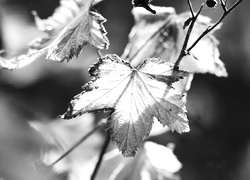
x: 218, y: 145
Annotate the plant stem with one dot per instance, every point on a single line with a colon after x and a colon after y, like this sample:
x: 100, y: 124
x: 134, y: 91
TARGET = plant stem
x: 99, y: 53
x: 103, y: 150
x: 97, y: 127
x: 191, y: 8
x: 210, y: 28
x: 184, y: 52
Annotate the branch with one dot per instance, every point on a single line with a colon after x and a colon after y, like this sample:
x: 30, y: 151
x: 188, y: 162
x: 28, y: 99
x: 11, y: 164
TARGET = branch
x: 97, y: 127
x: 184, y: 52
x: 98, y: 164
x: 191, y: 8
x: 210, y: 28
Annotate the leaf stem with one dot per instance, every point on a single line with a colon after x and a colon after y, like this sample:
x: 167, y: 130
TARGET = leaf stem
x: 99, y: 53
x: 95, y: 128
x: 101, y: 155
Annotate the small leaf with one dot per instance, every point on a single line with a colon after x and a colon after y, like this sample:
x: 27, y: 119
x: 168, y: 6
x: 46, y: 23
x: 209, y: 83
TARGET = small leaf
x: 69, y: 29
x: 144, y: 4
x: 87, y: 29
x: 133, y: 96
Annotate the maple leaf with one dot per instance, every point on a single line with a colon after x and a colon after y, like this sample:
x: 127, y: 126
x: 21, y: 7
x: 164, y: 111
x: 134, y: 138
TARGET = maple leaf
x: 69, y: 29
x: 133, y: 96
x: 165, y: 39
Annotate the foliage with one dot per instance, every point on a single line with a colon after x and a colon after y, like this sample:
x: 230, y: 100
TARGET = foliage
x: 149, y: 81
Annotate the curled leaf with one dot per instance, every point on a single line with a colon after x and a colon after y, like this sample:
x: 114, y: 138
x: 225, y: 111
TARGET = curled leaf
x: 72, y: 26
x: 133, y: 96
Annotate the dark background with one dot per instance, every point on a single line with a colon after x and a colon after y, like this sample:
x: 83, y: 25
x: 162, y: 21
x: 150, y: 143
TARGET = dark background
x: 218, y: 145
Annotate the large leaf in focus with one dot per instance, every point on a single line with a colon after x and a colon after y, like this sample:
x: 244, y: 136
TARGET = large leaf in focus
x: 68, y: 30
x: 134, y: 96
x: 165, y: 36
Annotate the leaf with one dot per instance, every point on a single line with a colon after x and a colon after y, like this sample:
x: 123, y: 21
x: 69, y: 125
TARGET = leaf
x: 18, y: 61
x: 87, y: 29
x: 165, y: 36
x: 67, y: 10
x: 59, y: 136
x: 153, y: 161
x: 133, y: 96
x: 144, y: 4
x: 69, y: 29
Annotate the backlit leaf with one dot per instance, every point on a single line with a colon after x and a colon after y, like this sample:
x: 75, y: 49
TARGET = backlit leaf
x: 167, y: 37
x: 153, y: 161
x: 19, y: 61
x: 87, y: 29
x: 133, y: 96
x: 72, y: 26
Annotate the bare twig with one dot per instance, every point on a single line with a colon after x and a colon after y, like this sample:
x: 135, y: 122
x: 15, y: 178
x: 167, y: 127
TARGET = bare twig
x: 223, y: 5
x: 191, y: 8
x: 210, y: 28
x: 184, y: 52
x: 98, y: 164
x: 97, y: 127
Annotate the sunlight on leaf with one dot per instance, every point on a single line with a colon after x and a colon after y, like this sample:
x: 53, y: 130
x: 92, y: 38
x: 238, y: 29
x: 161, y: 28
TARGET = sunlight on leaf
x: 87, y: 29
x: 72, y: 26
x: 60, y: 135
x: 19, y: 61
x: 133, y: 96
x: 153, y: 161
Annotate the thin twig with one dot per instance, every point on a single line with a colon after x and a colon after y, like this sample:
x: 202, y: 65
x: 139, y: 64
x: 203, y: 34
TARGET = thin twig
x: 223, y: 5
x: 210, y: 28
x: 98, y: 164
x: 97, y: 127
x: 184, y: 46
x: 191, y: 8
